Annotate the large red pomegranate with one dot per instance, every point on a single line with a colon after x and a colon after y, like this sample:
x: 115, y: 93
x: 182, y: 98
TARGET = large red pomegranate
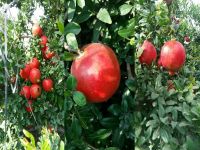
x: 34, y: 75
x: 34, y: 63
x: 35, y: 91
x: 36, y: 30
x: 25, y: 91
x: 172, y: 55
x: 149, y: 53
x: 97, y: 72
x: 47, y: 85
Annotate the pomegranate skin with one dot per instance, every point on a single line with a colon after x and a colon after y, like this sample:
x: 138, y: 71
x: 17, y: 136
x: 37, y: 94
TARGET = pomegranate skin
x: 47, y: 85
x: 34, y: 75
x: 172, y: 55
x: 37, y: 30
x: 25, y: 91
x: 29, y: 107
x: 43, y: 41
x: 97, y: 72
x: 35, y: 91
x: 34, y: 63
x: 149, y: 53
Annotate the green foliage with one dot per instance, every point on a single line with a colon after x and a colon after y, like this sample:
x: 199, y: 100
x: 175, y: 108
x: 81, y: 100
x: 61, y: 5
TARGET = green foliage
x: 143, y: 114
x: 47, y: 141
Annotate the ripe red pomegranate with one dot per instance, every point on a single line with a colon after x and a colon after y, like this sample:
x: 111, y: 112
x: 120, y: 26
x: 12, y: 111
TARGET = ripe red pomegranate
x: 35, y: 91
x: 43, y: 41
x: 34, y: 63
x: 187, y: 39
x: 172, y: 55
x: 24, y: 73
x: 149, y: 53
x: 47, y: 54
x: 29, y: 107
x: 47, y: 85
x: 35, y: 75
x: 97, y: 72
x: 36, y: 30
x: 25, y: 91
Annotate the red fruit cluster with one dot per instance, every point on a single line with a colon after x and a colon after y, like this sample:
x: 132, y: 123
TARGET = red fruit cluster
x: 31, y: 72
x: 172, y: 55
x: 34, y: 91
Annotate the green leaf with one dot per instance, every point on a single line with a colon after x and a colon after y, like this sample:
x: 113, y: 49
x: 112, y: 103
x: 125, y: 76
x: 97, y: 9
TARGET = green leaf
x: 60, y: 25
x: 73, y: 27
x: 125, y: 9
x: 71, y: 82
x: 115, y: 109
x: 164, y: 135
x: 76, y: 129
x: 71, y: 41
x: 131, y: 84
x: 104, y: 16
x: 139, y: 52
x: 112, y: 148
x: 155, y: 134
x: 79, y: 98
x: 30, y: 136
x: 125, y: 32
x: 67, y: 56
x: 96, y: 31
x: 84, y: 16
x: 109, y: 122
x: 81, y: 3
x: 101, y: 134
x: 62, y: 145
x: 154, y: 95
x: 71, y: 9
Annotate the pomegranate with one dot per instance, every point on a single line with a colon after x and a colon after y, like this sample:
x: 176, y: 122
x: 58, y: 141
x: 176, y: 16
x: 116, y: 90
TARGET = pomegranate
x: 34, y: 63
x: 149, y: 53
x: 34, y: 75
x: 187, y: 39
x: 43, y: 41
x: 172, y: 55
x: 47, y: 54
x: 36, y: 30
x: 25, y: 91
x: 97, y: 72
x: 47, y: 85
x: 24, y: 73
x: 29, y: 107
x: 35, y: 91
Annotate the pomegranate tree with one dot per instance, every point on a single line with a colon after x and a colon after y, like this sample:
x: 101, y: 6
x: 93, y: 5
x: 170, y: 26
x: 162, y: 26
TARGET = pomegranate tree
x: 97, y: 72
x: 172, y: 56
x: 149, y: 53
